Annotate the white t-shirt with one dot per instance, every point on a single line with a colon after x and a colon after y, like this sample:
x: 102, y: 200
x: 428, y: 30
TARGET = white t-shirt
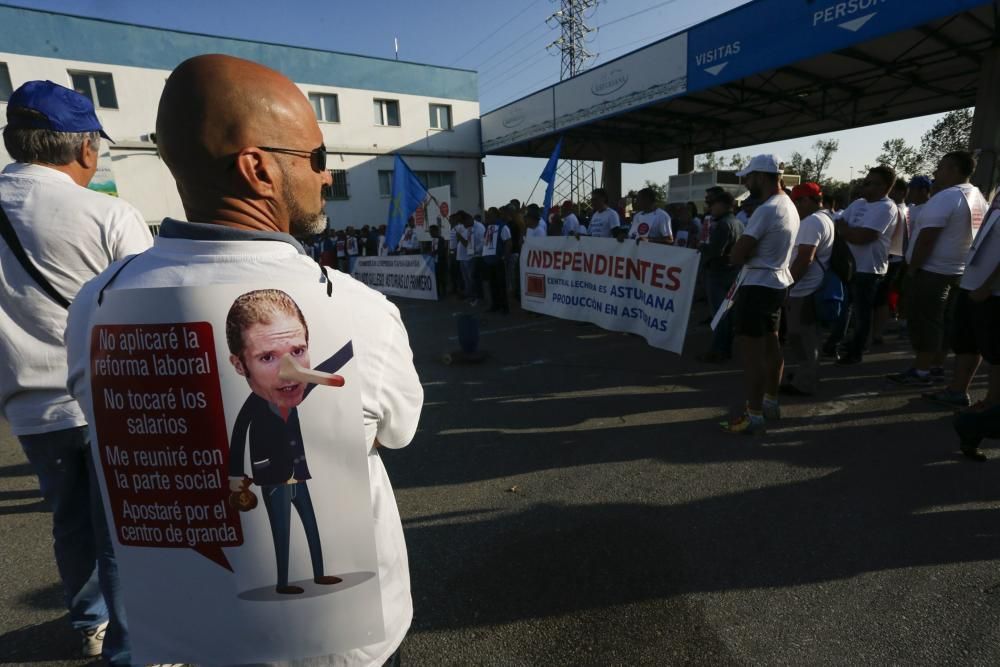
x: 535, y: 232
x: 652, y: 225
x: 774, y: 224
x: 352, y: 246
x: 452, y: 240
x: 70, y: 234
x: 478, y: 235
x: 882, y: 216
x: 815, y: 230
x: 382, y: 249
x: 391, y: 394
x: 495, y: 234
x: 958, y: 212
x: 984, y: 254
x: 462, y: 249
x: 602, y: 222
x: 570, y: 225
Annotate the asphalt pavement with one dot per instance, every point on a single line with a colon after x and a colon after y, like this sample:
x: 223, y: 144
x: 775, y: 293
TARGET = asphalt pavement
x: 572, y: 501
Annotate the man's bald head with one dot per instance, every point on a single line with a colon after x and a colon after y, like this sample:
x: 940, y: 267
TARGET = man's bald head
x: 214, y: 114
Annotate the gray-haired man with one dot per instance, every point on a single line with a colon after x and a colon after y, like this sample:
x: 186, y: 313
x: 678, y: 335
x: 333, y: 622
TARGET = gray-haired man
x: 57, y: 236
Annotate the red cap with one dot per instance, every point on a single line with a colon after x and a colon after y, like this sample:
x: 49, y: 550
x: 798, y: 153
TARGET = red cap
x: 806, y: 190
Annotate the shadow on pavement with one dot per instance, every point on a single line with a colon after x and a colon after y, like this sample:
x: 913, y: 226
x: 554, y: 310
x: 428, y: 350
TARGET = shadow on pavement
x: 49, y: 641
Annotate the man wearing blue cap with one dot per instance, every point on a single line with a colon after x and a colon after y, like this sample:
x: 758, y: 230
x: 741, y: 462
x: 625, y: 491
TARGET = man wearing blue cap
x: 57, y: 235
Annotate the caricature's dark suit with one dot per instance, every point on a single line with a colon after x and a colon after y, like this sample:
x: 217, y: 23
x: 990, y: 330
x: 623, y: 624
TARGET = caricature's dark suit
x: 278, y: 466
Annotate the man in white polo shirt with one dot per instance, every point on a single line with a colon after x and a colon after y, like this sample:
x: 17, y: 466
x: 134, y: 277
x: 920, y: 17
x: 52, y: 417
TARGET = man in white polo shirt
x: 650, y: 223
x: 941, y: 237
x: 257, y: 201
x: 867, y: 226
x: 570, y: 223
x: 604, y: 219
x: 764, y: 250
x: 69, y: 234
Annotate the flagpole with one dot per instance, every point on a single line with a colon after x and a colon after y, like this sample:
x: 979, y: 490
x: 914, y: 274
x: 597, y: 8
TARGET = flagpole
x: 528, y: 200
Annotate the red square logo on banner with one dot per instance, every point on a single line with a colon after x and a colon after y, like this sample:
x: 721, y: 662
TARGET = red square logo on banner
x: 534, y: 285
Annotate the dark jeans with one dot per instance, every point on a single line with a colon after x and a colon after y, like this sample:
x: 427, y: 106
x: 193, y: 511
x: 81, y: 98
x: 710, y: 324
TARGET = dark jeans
x: 862, y: 292
x: 455, y: 273
x: 717, y: 284
x: 278, y: 500
x: 496, y: 275
x: 83, y: 551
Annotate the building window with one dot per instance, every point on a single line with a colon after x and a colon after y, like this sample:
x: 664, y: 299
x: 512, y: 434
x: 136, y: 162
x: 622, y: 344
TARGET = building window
x: 338, y: 188
x: 325, y: 106
x: 387, y: 112
x: 431, y: 179
x: 99, y: 87
x: 6, y: 89
x: 441, y: 116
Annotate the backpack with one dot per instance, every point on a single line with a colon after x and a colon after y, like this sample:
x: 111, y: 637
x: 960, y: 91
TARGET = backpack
x: 830, y: 298
x: 841, y: 259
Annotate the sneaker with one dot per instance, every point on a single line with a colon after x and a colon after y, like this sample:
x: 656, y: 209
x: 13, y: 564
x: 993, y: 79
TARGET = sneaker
x: 93, y: 640
x: 745, y: 424
x: 771, y: 410
x: 973, y: 452
x: 849, y: 360
x: 949, y: 397
x: 909, y: 377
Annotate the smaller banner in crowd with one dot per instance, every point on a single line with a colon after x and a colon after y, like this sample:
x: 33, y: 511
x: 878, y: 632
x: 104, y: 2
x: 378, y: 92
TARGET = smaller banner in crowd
x: 645, y: 288
x: 410, y: 276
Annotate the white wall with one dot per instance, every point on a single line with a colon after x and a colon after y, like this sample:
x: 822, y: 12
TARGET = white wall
x: 356, y: 143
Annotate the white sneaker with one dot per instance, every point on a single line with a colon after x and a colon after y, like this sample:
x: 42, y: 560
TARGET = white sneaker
x: 93, y: 640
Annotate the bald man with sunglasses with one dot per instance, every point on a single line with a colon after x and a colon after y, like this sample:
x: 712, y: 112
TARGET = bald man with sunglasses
x: 243, y: 144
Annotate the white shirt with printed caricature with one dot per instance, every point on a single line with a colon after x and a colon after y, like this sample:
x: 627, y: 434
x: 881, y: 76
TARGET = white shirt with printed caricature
x: 775, y: 225
x: 494, y: 238
x: 352, y: 246
x: 882, y: 216
x: 652, y: 225
x: 958, y: 212
x: 984, y: 254
x: 391, y: 393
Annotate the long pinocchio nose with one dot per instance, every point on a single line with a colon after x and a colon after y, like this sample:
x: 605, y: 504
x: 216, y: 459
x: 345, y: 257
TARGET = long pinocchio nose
x: 290, y: 370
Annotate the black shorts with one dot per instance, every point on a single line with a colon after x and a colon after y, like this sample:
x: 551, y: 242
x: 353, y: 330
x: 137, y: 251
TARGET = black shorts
x: 977, y: 327
x: 757, y: 310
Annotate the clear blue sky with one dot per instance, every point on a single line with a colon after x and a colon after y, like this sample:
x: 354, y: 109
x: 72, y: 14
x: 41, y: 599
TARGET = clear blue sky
x: 504, y: 41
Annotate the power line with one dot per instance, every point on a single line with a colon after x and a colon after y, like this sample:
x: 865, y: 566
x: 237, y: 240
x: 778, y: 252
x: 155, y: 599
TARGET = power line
x: 633, y: 14
x: 509, y: 73
x: 530, y: 33
x: 513, y: 54
x: 502, y: 26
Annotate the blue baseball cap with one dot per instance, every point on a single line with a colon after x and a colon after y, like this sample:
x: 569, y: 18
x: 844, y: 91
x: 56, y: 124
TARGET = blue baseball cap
x: 43, y: 105
x: 921, y: 182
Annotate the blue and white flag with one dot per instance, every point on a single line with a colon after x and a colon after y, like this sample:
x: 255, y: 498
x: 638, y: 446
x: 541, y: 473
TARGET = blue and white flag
x: 408, y: 194
x: 549, y: 176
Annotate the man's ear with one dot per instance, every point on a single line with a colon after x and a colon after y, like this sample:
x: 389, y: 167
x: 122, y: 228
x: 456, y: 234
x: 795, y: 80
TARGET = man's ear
x: 257, y: 172
x: 238, y: 365
x: 88, y: 155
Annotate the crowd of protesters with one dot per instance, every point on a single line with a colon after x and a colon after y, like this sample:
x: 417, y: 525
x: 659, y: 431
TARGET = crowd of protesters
x: 780, y: 269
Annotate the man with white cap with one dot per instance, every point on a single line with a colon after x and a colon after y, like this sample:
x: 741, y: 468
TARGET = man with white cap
x: 765, y: 251
x: 57, y: 236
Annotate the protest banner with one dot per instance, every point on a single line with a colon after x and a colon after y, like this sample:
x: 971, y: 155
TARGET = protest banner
x: 642, y: 288
x: 410, y: 276
x: 203, y: 443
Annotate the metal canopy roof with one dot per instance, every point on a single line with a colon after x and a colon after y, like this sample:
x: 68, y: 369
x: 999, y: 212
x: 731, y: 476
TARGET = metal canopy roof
x: 766, y: 71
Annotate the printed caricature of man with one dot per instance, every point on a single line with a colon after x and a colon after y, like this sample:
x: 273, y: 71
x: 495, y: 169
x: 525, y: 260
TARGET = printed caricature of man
x: 261, y: 328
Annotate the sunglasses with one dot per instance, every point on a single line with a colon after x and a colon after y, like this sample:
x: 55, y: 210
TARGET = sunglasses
x: 317, y: 156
